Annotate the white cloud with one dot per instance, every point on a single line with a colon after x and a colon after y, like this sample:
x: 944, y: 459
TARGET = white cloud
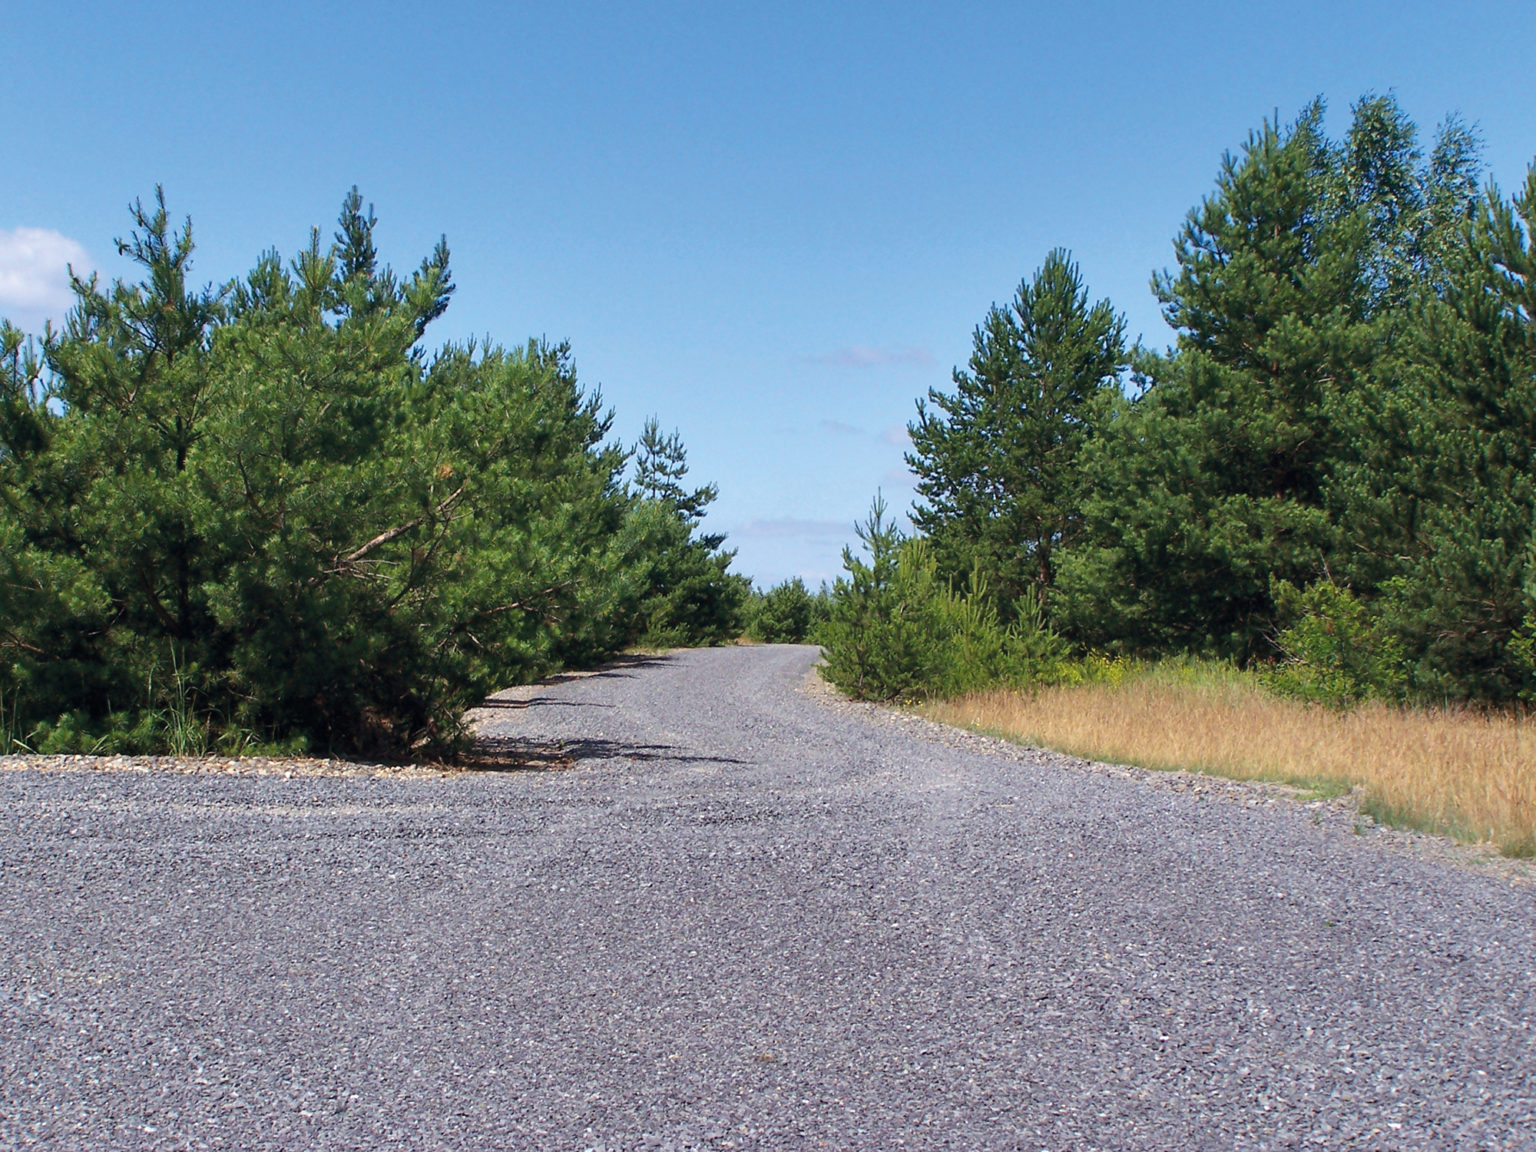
x: 34, y: 274
x: 896, y: 435
x: 863, y: 356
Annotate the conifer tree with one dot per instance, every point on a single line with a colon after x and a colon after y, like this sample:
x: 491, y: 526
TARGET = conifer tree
x: 689, y: 596
x: 1286, y: 299
x: 1441, y: 496
x: 881, y: 642
x: 264, y: 509
x: 997, y: 459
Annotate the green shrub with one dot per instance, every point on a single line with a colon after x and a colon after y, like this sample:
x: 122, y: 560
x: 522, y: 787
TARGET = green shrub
x: 881, y: 638
x: 264, y: 514
x: 1335, y: 653
x: 896, y: 631
x: 787, y: 613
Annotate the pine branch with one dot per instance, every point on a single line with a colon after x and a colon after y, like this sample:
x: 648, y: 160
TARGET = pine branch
x: 384, y: 538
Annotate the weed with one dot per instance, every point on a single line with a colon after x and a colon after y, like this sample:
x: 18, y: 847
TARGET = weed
x: 13, y: 734
x: 185, y: 732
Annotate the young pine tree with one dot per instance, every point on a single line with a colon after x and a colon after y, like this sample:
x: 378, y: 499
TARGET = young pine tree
x: 261, y: 505
x: 997, y: 459
x: 688, y: 595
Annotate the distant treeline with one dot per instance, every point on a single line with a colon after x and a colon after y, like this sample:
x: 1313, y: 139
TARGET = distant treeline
x: 264, y: 514
x: 1332, y: 472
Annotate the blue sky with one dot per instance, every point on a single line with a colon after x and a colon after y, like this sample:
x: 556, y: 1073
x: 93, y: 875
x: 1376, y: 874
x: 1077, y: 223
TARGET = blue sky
x: 771, y: 225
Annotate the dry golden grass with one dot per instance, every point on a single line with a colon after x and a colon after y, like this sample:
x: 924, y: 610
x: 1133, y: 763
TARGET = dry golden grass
x: 1465, y: 774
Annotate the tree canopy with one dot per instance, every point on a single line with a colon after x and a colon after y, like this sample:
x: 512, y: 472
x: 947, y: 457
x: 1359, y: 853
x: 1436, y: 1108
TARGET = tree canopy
x: 997, y: 459
x: 1333, y: 468
x: 266, y: 511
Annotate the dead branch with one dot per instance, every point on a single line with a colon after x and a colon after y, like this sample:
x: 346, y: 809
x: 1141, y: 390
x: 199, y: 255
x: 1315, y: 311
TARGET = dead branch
x: 384, y: 538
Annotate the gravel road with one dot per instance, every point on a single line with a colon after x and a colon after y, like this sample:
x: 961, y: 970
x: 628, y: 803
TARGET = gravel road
x: 743, y: 919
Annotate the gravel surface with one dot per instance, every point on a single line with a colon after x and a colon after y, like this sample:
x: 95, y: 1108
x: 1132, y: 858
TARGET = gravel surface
x: 742, y: 918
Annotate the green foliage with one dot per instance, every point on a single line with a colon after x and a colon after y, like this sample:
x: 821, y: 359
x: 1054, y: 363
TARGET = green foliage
x: 264, y: 513
x: 877, y: 642
x: 12, y: 731
x: 661, y: 467
x: 1441, y: 487
x: 787, y: 613
x: 687, y: 594
x: 898, y: 631
x: 1352, y: 396
x: 1335, y: 652
x: 996, y: 460
x: 1221, y: 480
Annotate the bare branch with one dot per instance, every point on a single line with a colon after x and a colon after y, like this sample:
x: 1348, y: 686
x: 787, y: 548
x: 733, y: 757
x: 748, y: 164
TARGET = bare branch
x: 384, y: 538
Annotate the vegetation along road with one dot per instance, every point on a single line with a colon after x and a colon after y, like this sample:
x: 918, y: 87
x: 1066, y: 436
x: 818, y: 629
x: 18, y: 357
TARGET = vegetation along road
x: 741, y: 918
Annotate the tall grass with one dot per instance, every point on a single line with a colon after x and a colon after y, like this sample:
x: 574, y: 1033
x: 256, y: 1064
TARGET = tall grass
x: 185, y: 732
x: 12, y: 735
x: 1470, y: 775
x: 173, y: 720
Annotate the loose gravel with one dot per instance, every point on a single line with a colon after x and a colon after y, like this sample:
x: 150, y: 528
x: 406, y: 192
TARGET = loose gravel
x: 725, y: 914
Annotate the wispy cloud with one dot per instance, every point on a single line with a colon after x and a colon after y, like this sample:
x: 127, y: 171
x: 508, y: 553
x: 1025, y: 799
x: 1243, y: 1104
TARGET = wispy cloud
x: 34, y: 274
x: 865, y: 356
x: 896, y: 435
x: 840, y: 428
x: 791, y: 527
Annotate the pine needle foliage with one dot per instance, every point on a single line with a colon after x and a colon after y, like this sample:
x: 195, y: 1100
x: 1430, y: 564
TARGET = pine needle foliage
x: 1331, y: 474
x: 787, y: 613
x: 898, y: 630
x: 688, y: 595
x: 997, y: 459
x: 265, y: 509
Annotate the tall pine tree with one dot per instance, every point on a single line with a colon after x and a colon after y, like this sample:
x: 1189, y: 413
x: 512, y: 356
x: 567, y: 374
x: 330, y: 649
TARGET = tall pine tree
x: 1440, y: 496
x: 1286, y: 297
x: 997, y: 459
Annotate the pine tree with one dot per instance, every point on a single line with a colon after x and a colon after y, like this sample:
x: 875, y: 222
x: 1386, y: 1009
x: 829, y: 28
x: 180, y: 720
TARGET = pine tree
x: 787, y: 613
x: 996, y: 459
x: 1445, y: 488
x: 1287, y: 297
x: 263, y: 509
x: 690, y: 596
x: 880, y: 641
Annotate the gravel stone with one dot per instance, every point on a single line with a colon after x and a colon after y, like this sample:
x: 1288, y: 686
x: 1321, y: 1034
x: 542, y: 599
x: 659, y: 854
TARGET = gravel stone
x: 733, y: 913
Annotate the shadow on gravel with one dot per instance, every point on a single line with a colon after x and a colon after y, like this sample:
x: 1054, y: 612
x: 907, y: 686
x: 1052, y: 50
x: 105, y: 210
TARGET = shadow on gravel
x: 494, y: 705
x: 511, y: 753
x: 620, y: 750
x: 623, y: 668
x: 514, y: 754
x: 518, y: 754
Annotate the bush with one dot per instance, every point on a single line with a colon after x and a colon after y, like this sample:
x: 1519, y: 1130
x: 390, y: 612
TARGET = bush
x: 880, y: 640
x: 1335, y: 653
x: 787, y: 613
x: 896, y: 631
x: 264, y: 513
